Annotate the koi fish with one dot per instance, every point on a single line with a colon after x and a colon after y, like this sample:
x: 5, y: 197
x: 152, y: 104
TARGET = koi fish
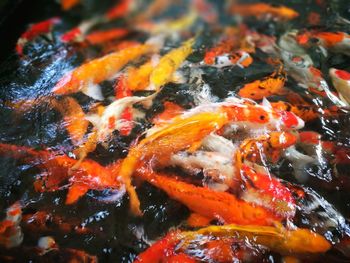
x: 169, y: 139
x: 121, y: 9
x: 154, y: 8
x: 57, y: 169
x: 239, y: 58
x: 100, y: 37
x: 278, y: 239
x: 225, y: 46
x: 68, y: 4
x: 264, y: 10
x: 215, y: 166
x: 171, y: 110
x: 163, y: 248
x: 341, y: 81
x: 85, y: 77
x: 208, y: 203
x: 169, y: 63
x: 34, y: 31
x: 10, y: 230
x: 168, y: 26
x: 265, y: 87
x: 138, y: 78
x: 46, y: 222
x: 334, y: 41
x: 305, y: 112
x: 73, y: 118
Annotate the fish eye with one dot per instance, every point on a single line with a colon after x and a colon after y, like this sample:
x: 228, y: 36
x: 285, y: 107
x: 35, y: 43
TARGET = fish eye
x: 262, y: 117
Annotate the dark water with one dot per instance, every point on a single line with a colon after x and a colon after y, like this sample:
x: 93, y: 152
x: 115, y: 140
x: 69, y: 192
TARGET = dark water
x: 113, y: 234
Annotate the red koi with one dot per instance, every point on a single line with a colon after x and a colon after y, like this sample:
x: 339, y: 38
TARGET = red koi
x: 119, y: 10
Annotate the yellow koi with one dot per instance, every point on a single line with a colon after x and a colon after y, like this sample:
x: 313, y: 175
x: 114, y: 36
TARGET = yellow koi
x: 177, y: 136
x: 169, y: 63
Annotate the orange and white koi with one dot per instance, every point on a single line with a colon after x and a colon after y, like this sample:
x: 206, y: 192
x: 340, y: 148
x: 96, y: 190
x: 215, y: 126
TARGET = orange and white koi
x: 265, y: 87
x: 206, y: 202
x: 87, y: 76
x: 169, y: 63
x: 168, y: 140
x: 35, y: 30
x: 239, y: 58
x: 10, y: 230
x: 100, y: 37
x: 278, y: 239
x: 263, y: 10
x: 57, y: 169
x: 68, y: 4
x: 73, y: 118
x: 341, y: 81
x: 334, y: 41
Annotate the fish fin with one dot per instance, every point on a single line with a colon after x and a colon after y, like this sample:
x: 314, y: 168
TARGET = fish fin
x: 75, y: 192
x: 194, y: 147
x: 93, y: 91
x: 266, y: 103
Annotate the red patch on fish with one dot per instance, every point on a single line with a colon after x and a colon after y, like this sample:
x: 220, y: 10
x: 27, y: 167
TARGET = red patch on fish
x: 71, y: 35
x: 343, y: 74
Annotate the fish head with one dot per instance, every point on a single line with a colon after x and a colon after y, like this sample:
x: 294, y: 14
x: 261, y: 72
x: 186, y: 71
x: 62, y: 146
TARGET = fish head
x: 289, y: 121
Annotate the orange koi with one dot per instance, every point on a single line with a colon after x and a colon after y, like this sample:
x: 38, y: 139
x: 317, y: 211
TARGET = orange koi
x: 335, y: 41
x: 68, y: 4
x: 278, y: 239
x: 10, y: 231
x: 225, y: 45
x: 138, y: 78
x: 264, y: 10
x: 265, y: 87
x: 34, y: 31
x: 161, y: 249
x: 46, y: 222
x: 305, y: 112
x: 73, y: 118
x: 269, y: 145
x: 162, y: 144
x: 89, y: 174
x: 99, y: 37
x: 208, y: 203
x: 98, y: 70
